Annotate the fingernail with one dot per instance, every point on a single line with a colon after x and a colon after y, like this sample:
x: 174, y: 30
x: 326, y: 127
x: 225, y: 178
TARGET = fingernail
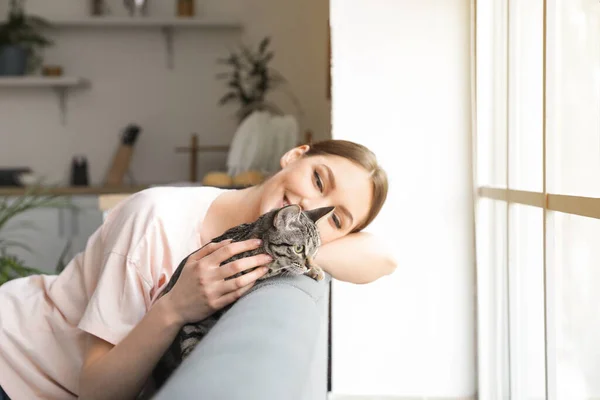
x: 268, y: 258
x: 258, y: 242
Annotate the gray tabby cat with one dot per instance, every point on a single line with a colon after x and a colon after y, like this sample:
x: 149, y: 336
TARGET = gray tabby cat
x: 289, y: 235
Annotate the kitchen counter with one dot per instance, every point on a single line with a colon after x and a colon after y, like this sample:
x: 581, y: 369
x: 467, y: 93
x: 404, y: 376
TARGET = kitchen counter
x: 74, y: 190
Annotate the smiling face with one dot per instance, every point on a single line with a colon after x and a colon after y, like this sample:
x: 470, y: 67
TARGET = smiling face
x: 321, y: 181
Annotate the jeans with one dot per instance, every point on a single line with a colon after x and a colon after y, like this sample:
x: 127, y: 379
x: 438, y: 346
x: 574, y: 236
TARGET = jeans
x: 3, y: 395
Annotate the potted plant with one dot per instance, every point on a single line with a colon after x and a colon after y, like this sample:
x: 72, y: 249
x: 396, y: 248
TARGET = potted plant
x: 11, y: 267
x: 250, y: 79
x: 264, y: 131
x: 21, y: 40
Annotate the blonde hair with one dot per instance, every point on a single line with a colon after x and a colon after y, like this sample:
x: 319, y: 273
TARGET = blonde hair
x: 364, y: 158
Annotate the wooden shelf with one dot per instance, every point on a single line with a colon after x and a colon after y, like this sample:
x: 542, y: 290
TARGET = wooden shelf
x: 75, y: 190
x: 167, y: 25
x: 93, y: 190
x: 146, y: 22
x: 60, y: 85
x: 41, y: 81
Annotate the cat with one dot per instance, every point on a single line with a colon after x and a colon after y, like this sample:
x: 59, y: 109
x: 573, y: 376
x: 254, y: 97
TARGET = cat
x: 289, y: 235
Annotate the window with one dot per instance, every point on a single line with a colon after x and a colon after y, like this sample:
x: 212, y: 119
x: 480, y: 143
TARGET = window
x: 576, y: 305
x: 538, y: 180
x: 526, y: 301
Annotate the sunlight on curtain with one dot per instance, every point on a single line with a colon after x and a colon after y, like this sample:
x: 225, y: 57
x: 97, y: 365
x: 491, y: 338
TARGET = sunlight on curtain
x: 492, y: 315
x: 577, y: 304
x: 574, y: 97
x: 526, y: 233
x: 525, y: 92
x: 574, y: 169
x: 491, y: 217
x: 526, y: 296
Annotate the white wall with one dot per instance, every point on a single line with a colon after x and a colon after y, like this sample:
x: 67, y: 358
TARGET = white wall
x: 130, y: 83
x: 401, y: 85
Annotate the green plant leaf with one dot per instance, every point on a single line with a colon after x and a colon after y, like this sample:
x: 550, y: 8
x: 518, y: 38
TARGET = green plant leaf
x: 35, y: 197
x: 13, y: 227
x: 227, y: 98
x: 12, y: 268
x: 7, y: 244
x: 24, y: 30
x: 251, y: 77
x: 268, y: 57
x: 262, y: 47
x: 248, y: 56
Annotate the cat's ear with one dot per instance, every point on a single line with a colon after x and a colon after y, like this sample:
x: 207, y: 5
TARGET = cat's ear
x: 285, y: 215
x: 318, y: 213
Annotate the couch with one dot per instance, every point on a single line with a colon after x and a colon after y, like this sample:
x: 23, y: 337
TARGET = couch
x: 271, y: 345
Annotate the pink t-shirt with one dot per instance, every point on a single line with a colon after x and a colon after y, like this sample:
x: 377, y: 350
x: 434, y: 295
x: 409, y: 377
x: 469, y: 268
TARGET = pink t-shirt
x: 105, y: 290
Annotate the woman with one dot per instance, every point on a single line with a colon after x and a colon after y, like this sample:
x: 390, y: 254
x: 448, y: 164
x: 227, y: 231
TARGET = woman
x: 96, y: 332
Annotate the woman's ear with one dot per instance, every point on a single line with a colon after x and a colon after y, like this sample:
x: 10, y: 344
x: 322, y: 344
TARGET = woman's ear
x: 293, y: 155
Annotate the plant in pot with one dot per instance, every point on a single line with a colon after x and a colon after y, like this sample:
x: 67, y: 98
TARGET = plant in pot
x: 11, y: 267
x: 250, y: 79
x: 21, y: 40
x: 264, y: 131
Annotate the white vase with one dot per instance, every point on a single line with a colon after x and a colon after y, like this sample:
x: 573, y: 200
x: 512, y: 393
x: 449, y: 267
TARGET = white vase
x: 260, y: 141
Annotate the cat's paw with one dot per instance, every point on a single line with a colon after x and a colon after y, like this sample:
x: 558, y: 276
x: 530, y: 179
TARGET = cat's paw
x: 316, y: 273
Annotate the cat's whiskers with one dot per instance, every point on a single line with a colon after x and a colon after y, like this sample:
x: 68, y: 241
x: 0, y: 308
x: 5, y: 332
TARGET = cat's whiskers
x: 285, y: 271
x: 285, y: 268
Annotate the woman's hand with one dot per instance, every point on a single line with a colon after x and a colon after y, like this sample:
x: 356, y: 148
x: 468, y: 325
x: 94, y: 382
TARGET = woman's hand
x: 110, y: 372
x: 202, y: 289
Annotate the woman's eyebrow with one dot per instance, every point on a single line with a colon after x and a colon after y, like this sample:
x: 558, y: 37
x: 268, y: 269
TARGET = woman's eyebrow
x: 330, y: 175
x: 331, y: 179
x: 345, y: 211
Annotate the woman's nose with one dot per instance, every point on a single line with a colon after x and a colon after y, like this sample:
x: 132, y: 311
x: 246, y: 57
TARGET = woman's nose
x: 311, y: 204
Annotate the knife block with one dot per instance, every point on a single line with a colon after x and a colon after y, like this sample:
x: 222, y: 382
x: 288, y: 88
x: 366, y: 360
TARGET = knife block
x: 122, y: 158
x: 120, y: 165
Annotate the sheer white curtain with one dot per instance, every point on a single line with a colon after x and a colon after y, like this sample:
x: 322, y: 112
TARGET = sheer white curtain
x: 538, y: 157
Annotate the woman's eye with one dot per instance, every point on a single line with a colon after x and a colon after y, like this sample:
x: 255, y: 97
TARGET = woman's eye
x: 337, y: 221
x: 298, y: 248
x: 318, y: 181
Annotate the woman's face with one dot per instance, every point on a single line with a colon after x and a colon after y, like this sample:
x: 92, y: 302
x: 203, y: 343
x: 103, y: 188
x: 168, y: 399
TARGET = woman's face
x: 320, y: 181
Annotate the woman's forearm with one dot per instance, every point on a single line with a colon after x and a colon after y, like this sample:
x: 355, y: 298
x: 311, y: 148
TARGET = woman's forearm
x: 356, y: 258
x: 120, y: 372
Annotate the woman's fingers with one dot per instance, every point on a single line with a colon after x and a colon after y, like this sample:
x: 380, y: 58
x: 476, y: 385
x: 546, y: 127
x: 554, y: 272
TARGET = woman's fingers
x: 232, y: 249
x: 242, y: 264
x: 218, y: 291
x: 232, y: 285
x: 230, y: 297
x: 208, y: 249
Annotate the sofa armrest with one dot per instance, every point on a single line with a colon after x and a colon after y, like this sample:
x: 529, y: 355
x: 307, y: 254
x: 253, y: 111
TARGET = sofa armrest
x: 267, y: 346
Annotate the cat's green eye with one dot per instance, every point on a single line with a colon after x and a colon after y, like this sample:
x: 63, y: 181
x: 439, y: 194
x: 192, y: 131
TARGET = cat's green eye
x: 298, y: 248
